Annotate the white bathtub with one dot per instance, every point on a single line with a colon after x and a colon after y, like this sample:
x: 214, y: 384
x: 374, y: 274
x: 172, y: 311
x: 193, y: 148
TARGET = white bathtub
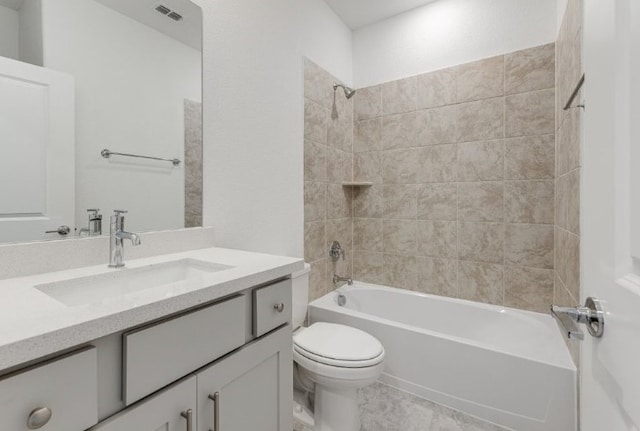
x: 506, y: 366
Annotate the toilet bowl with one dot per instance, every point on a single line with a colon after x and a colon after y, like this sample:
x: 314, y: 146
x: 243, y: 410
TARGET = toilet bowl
x: 335, y: 361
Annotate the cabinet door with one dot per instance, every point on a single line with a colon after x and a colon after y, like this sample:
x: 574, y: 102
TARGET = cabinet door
x: 166, y: 411
x: 251, y: 389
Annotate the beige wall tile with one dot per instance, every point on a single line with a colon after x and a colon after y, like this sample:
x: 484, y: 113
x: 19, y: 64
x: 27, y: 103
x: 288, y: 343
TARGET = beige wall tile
x: 315, y: 122
x: 530, y: 69
x: 569, y: 142
x: 529, y: 157
x: 367, y: 135
x: 528, y: 288
x: 314, y: 241
x: 562, y: 201
x: 339, y: 166
x: 529, y: 245
x: 437, y: 276
x: 437, y: 88
x: 340, y: 133
x: 368, y: 166
x: 529, y: 201
x: 481, y: 282
x: 573, y: 201
x: 400, y: 201
x: 315, y: 162
x: 438, y: 201
x: 481, y: 79
x: 436, y: 126
x: 436, y: 164
x: 399, y: 131
x: 338, y: 201
x: 481, y: 201
x: 367, y: 234
x: 530, y: 113
x: 481, y: 242
x: 399, y: 237
x: 369, y: 267
x: 480, y: 161
x: 399, y: 96
x: 399, y: 166
x: 317, y: 84
x: 340, y: 230
x: 315, y: 201
x: 437, y: 238
x: 482, y: 120
x: 568, y: 267
x: 400, y: 271
x: 318, y: 279
x: 367, y: 202
x: 368, y: 103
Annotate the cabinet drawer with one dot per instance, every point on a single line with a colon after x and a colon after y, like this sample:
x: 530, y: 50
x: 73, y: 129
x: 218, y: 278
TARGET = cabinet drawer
x: 157, y: 355
x: 67, y: 387
x: 271, y: 307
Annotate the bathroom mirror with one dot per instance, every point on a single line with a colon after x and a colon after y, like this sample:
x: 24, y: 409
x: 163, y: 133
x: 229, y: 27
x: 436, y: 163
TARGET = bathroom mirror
x: 78, y: 77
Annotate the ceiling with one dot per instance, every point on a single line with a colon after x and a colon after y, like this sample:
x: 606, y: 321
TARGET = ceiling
x: 187, y: 31
x: 360, y: 13
x: 12, y: 4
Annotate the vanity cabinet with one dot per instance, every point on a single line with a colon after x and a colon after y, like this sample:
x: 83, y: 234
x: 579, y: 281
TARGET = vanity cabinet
x: 172, y: 409
x: 250, y: 389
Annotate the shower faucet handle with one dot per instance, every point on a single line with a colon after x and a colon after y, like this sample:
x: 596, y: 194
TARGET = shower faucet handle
x: 335, y: 251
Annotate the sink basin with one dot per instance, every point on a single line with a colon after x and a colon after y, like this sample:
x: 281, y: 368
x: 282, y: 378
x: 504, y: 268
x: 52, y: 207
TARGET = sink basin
x: 97, y: 288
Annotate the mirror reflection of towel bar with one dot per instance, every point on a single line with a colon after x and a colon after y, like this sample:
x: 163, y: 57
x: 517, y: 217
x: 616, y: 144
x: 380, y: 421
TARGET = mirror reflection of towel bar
x: 108, y: 153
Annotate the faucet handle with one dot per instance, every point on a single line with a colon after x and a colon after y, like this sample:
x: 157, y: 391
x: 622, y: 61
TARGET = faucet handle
x: 118, y: 212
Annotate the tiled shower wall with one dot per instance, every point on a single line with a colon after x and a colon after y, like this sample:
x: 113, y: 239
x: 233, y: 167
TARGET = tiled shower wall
x: 462, y: 161
x: 462, y: 166
x: 567, y: 225
x: 328, y: 161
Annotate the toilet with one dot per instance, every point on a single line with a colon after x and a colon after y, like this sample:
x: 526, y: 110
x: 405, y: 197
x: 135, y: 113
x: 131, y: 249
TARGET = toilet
x: 333, y: 361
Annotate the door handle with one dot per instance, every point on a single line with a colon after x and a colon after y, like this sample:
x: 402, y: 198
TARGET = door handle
x: 62, y: 230
x: 188, y: 415
x: 216, y: 411
x: 590, y: 315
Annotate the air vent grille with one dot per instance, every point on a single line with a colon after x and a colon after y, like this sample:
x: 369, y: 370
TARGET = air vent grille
x: 163, y: 10
x: 169, y: 13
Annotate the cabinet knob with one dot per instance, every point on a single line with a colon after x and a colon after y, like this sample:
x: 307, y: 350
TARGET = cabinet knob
x: 39, y: 418
x: 279, y: 307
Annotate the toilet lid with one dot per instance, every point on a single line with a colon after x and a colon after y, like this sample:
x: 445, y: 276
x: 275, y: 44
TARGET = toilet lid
x: 337, y: 343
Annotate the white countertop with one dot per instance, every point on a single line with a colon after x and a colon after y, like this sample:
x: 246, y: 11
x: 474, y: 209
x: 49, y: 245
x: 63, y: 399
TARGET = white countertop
x: 33, y: 325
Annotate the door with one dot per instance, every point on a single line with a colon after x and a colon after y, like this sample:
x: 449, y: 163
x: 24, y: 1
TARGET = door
x: 610, y: 193
x: 251, y: 389
x: 37, y: 162
x: 173, y: 409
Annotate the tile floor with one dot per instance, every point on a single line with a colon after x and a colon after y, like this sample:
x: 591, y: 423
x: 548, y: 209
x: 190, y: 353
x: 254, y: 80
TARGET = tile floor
x: 384, y: 408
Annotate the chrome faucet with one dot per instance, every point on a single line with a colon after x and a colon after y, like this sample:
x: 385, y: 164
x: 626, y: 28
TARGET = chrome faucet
x: 117, y: 235
x: 337, y: 279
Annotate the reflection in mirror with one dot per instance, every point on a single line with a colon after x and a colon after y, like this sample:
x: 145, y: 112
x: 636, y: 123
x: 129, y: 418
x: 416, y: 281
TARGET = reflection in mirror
x: 81, y: 76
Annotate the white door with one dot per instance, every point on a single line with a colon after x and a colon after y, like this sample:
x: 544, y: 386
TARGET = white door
x: 610, y: 213
x: 37, y: 161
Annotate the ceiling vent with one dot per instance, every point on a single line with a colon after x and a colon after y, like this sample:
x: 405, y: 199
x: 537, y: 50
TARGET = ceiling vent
x: 169, y: 13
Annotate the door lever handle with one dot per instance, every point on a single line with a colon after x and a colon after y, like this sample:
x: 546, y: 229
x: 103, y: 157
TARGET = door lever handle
x: 62, y: 230
x: 590, y: 315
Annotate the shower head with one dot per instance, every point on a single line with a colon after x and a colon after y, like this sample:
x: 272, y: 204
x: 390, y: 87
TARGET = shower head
x: 348, y: 92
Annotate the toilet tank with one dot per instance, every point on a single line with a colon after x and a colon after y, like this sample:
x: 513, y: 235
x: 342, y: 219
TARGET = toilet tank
x: 300, y: 293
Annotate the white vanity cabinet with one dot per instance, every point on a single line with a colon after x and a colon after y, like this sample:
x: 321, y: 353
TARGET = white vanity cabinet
x: 172, y: 409
x: 251, y: 389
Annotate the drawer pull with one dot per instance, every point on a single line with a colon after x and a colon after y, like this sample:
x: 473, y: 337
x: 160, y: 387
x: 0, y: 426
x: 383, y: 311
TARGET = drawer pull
x: 216, y: 411
x: 188, y: 415
x: 39, y: 418
x: 279, y: 307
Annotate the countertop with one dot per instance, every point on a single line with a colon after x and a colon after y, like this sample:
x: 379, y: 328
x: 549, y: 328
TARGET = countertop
x: 34, y: 325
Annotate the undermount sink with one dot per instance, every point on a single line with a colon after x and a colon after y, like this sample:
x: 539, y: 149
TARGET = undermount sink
x: 96, y: 288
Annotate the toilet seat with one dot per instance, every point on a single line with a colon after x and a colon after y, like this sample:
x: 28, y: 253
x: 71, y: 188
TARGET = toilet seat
x: 339, y: 346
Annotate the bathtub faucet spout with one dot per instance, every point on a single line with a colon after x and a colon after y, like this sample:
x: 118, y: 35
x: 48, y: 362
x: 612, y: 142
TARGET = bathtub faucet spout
x: 337, y: 279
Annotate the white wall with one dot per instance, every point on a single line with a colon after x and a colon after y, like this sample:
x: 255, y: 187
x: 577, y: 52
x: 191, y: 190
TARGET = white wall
x: 253, y: 115
x: 9, y: 31
x: 447, y: 33
x: 131, y: 82
x: 31, y: 32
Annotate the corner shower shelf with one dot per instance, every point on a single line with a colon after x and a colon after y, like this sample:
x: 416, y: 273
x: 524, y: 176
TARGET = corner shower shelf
x: 357, y: 184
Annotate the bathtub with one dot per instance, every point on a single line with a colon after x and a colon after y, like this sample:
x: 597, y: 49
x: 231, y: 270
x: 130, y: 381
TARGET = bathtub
x: 505, y: 366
